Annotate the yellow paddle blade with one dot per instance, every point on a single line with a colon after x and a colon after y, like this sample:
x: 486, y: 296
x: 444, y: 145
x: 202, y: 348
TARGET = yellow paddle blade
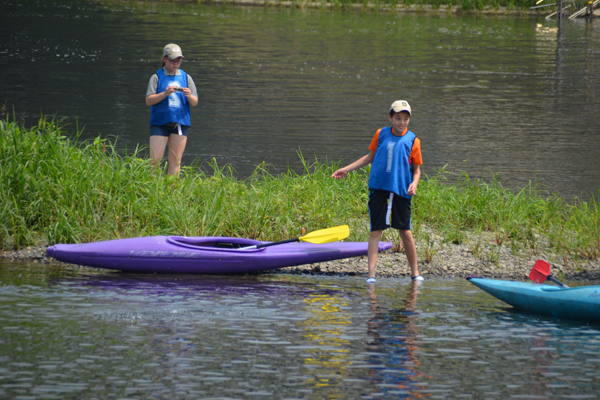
x: 327, y: 235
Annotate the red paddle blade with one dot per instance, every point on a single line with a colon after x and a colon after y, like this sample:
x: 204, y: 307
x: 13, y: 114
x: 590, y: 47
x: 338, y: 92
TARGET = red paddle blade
x: 540, y: 271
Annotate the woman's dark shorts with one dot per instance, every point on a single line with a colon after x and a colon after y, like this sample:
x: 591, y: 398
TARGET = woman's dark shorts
x: 389, y: 209
x: 168, y: 129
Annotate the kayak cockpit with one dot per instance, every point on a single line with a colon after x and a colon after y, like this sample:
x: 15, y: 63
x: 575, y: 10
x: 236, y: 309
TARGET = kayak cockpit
x: 549, y: 288
x: 215, y: 243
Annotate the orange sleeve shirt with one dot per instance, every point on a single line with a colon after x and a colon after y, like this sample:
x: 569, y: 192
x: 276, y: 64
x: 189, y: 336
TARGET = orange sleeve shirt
x: 415, y: 153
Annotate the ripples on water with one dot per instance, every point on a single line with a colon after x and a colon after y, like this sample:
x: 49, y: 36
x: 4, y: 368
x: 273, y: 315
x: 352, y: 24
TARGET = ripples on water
x: 505, y: 96
x: 73, y: 334
x: 490, y: 96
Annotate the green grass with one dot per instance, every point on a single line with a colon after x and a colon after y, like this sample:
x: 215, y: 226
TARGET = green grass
x: 89, y: 192
x: 56, y: 191
x: 524, y: 219
x: 464, y: 5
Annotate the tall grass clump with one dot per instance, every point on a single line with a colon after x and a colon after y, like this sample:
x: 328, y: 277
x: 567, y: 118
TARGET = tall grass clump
x: 61, y: 191
x: 56, y: 189
x: 523, y: 218
x: 465, y: 5
x: 68, y: 193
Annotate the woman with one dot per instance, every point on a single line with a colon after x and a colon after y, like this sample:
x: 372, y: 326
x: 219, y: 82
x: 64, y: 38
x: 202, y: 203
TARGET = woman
x: 170, y: 92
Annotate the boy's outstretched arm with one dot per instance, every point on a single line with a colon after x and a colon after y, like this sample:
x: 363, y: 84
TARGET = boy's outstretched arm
x: 361, y: 162
x: 412, y: 188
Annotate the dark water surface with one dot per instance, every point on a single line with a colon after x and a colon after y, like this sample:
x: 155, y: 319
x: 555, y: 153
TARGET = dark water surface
x: 75, y: 334
x: 490, y: 95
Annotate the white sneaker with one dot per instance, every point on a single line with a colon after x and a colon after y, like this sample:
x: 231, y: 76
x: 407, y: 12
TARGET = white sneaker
x: 371, y: 280
x: 418, y: 278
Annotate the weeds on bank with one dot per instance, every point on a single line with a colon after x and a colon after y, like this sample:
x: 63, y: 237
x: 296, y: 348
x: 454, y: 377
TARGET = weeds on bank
x: 428, y: 249
x: 89, y: 191
x: 377, y: 5
x: 521, y: 218
x: 465, y: 5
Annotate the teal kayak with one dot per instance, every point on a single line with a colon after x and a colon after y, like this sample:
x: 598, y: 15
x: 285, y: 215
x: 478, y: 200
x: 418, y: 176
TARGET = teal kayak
x: 578, y: 303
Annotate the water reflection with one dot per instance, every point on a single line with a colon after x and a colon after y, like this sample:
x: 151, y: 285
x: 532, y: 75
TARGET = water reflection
x: 490, y: 95
x: 75, y: 334
x: 327, y: 352
x: 393, y: 347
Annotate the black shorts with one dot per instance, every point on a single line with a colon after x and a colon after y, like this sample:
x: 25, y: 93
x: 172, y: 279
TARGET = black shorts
x: 389, y: 209
x: 168, y: 130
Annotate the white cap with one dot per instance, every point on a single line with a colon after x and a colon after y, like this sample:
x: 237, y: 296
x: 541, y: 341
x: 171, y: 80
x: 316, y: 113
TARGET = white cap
x: 401, y: 105
x: 172, y: 51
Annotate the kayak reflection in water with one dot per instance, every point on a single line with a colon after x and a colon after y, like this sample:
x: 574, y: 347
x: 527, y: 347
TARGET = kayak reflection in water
x: 392, y: 347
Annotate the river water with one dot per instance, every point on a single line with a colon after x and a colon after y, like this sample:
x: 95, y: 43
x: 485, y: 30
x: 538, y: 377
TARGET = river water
x: 505, y: 96
x: 502, y: 96
x: 75, y: 334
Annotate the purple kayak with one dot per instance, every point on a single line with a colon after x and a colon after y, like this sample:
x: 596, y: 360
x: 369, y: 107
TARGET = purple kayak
x: 202, y: 255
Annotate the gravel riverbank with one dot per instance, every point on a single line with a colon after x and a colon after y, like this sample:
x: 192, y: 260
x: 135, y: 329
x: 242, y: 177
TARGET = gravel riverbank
x: 402, y: 8
x: 475, y: 256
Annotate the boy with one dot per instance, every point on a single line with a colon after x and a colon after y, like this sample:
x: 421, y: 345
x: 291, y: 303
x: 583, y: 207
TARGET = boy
x: 396, y: 156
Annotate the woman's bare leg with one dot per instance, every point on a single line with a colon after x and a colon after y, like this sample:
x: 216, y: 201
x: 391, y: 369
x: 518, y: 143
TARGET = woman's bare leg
x: 157, y: 148
x: 176, y: 147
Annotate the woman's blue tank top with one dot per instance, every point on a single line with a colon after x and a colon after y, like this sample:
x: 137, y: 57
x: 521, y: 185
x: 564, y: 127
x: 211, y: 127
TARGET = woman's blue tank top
x: 174, y: 108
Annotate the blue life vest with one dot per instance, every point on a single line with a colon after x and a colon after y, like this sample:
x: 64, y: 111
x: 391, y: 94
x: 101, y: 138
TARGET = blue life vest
x: 391, y: 169
x: 174, y: 108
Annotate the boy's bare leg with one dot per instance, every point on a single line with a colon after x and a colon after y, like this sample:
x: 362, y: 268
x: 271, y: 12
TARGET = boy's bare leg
x: 411, y: 251
x: 373, y: 250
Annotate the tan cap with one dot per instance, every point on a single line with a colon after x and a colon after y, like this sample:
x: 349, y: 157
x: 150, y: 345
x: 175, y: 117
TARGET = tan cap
x: 172, y: 51
x: 401, y: 105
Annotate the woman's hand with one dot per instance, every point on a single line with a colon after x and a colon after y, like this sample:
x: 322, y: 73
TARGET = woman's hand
x: 170, y: 90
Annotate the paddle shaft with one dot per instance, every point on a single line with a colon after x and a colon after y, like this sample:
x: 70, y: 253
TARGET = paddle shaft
x: 317, y: 237
x: 280, y: 242
x: 559, y: 283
